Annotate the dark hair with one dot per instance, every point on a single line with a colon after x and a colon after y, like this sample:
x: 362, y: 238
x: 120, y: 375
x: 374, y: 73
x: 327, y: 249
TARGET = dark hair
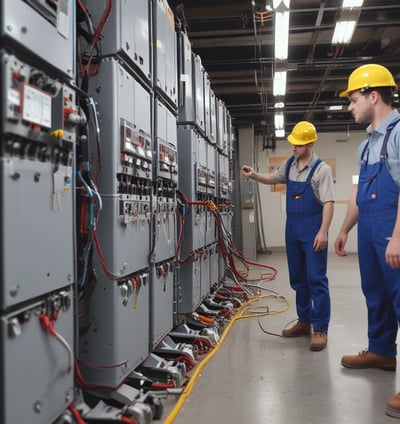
x: 385, y: 92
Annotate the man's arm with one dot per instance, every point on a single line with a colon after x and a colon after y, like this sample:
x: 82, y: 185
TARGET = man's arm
x: 392, y: 255
x: 321, y: 239
x: 249, y: 172
x: 350, y: 220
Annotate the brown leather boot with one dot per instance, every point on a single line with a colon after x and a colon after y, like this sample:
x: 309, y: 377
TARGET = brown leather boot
x: 393, y: 406
x: 319, y: 341
x: 299, y: 329
x: 367, y: 359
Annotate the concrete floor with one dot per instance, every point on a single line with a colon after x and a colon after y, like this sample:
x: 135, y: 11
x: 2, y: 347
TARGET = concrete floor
x: 259, y: 378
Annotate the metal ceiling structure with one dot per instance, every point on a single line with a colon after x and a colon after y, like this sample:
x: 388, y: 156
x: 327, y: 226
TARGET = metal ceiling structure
x: 235, y: 40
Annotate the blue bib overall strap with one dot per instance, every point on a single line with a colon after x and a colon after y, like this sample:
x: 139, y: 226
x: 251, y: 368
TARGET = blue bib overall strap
x: 386, y: 139
x: 300, y: 198
x: 377, y: 200
x: 369, y: 185
x: 307, y: 268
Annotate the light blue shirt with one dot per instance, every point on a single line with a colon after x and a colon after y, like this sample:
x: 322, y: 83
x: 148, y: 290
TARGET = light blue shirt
x: 375, y: 139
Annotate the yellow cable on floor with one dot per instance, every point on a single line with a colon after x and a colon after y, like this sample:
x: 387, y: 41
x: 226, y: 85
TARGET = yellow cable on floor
x: 202, y: 364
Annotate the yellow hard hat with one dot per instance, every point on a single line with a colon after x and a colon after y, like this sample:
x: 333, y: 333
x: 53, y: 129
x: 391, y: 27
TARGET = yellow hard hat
x: 369, y: 76
x: 303, y: 133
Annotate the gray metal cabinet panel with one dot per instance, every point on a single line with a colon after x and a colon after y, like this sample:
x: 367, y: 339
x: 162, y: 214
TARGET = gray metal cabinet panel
x: 50, y: 36
x: 126, y: 33
x: 38, y: 374
x: 162, y: 300
x: 117, y: 339
x: 37, y: 228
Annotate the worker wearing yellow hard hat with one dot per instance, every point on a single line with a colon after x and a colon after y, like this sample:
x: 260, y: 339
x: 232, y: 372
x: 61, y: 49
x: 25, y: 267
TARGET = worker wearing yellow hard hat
x: 309, y: 211
x: 303, y: 133
x: 369, y: 76
x: 374, y: 206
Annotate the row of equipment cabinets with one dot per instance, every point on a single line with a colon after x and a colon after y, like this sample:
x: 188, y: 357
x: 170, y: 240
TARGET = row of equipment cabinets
x: 115, y: 208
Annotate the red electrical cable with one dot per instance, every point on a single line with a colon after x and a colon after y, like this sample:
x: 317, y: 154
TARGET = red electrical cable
x: 163, y: 386
x: 88, y: 386
x: 89, y: 364
x: 228, y: 250
x: 75, y: 413
x: 102, y: 22
x: 189, y: 363
x: 128, y: 420
x: 47, y: 324
x: 203, y: 345
x: 82, y: 6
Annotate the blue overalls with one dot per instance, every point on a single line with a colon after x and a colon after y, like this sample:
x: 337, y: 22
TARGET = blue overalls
x: 377, y: 201
x: 307, y: 268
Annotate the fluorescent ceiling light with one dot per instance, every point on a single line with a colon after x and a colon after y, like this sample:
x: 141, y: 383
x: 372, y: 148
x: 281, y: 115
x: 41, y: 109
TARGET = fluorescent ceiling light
x: 281, y: 35
x: 349, y: 4
x: 343, y: 32
x: 335, y: 107
x: 279, y: 133
x: 279, y: 85
x: 277, y: 3
x: 279, y: 105
x: 279, y: 121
